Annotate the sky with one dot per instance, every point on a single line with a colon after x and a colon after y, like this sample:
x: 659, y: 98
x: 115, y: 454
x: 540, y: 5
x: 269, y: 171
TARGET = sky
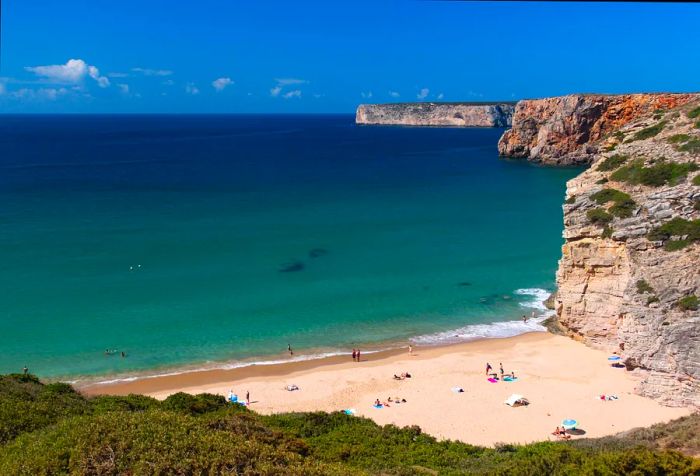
x: 207, y: 56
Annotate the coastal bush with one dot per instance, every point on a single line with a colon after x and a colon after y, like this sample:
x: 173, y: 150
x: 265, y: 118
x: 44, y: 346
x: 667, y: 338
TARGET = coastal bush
x: 598, y: 216
x: 681, y: 434
x: 644, y: 287
x: 693, y: 113
x: 607, y: 232
x: 194, y: 404
x: 689, y: 303
x: 696, y: 180
x: 692, y: 146
x: 656, y: 175
x: 678, y: 138
x: 696, y: 205
x: 612, y: 162
x: 602, y: 181
x: 648, y: 132
x: 623, y: 205
x: 571, y: 199
x: 686, y: 232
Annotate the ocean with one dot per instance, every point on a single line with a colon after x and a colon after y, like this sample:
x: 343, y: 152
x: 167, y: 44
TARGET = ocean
x: 197, y: 241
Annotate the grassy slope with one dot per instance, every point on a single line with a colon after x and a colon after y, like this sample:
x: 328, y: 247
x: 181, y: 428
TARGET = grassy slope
x: 50, y: 429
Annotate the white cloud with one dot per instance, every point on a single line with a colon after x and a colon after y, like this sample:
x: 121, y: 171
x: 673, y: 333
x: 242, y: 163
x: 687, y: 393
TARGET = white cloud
x: 74, y: 71
x: 221, y: 83
x: 117, y: 75
x: 124, y: 88
x: 152, y: 72
x: 423, y: 93
x: 190, y: 88
x: 292, y: 94
x: 102, y: 81
x: 394, y: 94
x: 366, y: 95
x: 41, y: 94
x: 274, y: 92
x: 440, y: 96
x: 290, y: 81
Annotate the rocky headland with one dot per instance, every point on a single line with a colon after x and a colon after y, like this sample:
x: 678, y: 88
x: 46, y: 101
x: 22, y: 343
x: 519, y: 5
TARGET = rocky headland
x: 437, y: 114
x: 566, y: 130
x: 629, y: 276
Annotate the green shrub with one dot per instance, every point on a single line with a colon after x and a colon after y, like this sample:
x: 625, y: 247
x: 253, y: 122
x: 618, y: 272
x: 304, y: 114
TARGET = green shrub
x: 652, y: 299
x: 607, y: 231
x: 612, y: 162
x: 696, y: 205
x: 686, y: 231
x: 656, y: 175
x: 194, y: 404
x: 598, y: 216
x: 696, y: 180
x: 602, y: 181
x: 697, y: 125
x: 678, y: 138
x: 623, y: 206
x: 644, y: 287
x: 692, y: 146
x: 689, y: 303
x: 693, y: 113
x: 571, y: 199
x: 649, y: 132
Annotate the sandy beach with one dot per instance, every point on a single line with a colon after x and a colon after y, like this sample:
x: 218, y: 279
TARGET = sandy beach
x: 560, y: 377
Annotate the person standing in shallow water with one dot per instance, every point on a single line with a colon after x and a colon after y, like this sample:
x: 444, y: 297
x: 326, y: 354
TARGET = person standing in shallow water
x: 354, y: 354
x: 25, y: 370
x: 289, y: 348
x: 358, y: 355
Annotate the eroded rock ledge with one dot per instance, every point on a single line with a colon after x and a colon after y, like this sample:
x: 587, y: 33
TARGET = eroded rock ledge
x: 437, y: 114
x: 623, y: 285
x: 566, y: 130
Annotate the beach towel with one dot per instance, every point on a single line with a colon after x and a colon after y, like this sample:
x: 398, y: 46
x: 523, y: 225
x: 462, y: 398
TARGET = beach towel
x: 510, y: 379
x: 493, y: 380
x: 378, y: 407
x: 349, y: 411
x: 292, y: 387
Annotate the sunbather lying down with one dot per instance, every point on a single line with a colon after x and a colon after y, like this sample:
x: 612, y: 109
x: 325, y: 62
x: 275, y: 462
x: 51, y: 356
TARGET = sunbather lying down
x: 561, y: 433
x: 396, y: 400
x: 404, y: 375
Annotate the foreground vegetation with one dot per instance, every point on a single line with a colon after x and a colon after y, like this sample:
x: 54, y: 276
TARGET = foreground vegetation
x: 51, y: 429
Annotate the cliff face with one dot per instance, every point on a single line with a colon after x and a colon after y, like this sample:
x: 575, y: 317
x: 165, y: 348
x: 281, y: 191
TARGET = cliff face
x: 630, y: 265
x: 564, y: 130
x: 436, y: 114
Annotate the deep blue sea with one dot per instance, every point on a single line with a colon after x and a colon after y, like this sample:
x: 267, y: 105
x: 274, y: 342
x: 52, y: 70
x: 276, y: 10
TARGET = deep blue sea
x: 199, y: 241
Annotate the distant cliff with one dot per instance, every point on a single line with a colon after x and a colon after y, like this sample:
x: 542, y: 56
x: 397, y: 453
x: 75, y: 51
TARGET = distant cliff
x: 437, y: 114
x: 566, y: 130
x: 629, y: 275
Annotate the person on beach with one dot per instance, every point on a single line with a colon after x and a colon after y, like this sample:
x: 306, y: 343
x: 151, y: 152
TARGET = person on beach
x: 247, y: 397
x: 358, y: 355
x: 354, y: 355
x: 25, y: 370
x: 289, y: 348
x: 488, y: 368
x: 501, y: 369
x: 410, y: 349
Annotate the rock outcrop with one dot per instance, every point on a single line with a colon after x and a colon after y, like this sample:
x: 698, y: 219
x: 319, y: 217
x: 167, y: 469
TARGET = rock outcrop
x: 437, y: 114
x: 629, y: 273
x: 565, y: 130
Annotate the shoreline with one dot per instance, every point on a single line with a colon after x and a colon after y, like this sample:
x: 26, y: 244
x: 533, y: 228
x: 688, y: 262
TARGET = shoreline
x: 561, y: 377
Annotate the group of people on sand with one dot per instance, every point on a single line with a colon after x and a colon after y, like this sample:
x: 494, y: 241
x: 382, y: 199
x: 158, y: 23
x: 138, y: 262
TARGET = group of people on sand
x: 389, y: 401
x: 403, y: 376
x: 356, y: 355
x: 489, y: 371
x: 560, y: 432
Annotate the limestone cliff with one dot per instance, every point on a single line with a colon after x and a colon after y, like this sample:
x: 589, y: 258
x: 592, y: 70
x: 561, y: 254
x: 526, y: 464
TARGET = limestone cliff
x: 629, y: 275
x: 566, y: 129
x: 436, y: 114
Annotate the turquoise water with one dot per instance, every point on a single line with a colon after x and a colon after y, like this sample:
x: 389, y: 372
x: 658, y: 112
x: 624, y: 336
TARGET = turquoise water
x: 168, y: 237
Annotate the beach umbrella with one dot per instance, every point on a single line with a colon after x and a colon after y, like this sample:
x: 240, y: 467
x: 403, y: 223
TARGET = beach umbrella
x: 569, y: 424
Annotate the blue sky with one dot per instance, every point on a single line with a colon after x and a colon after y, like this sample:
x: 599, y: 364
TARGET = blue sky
x: 290, y: 57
